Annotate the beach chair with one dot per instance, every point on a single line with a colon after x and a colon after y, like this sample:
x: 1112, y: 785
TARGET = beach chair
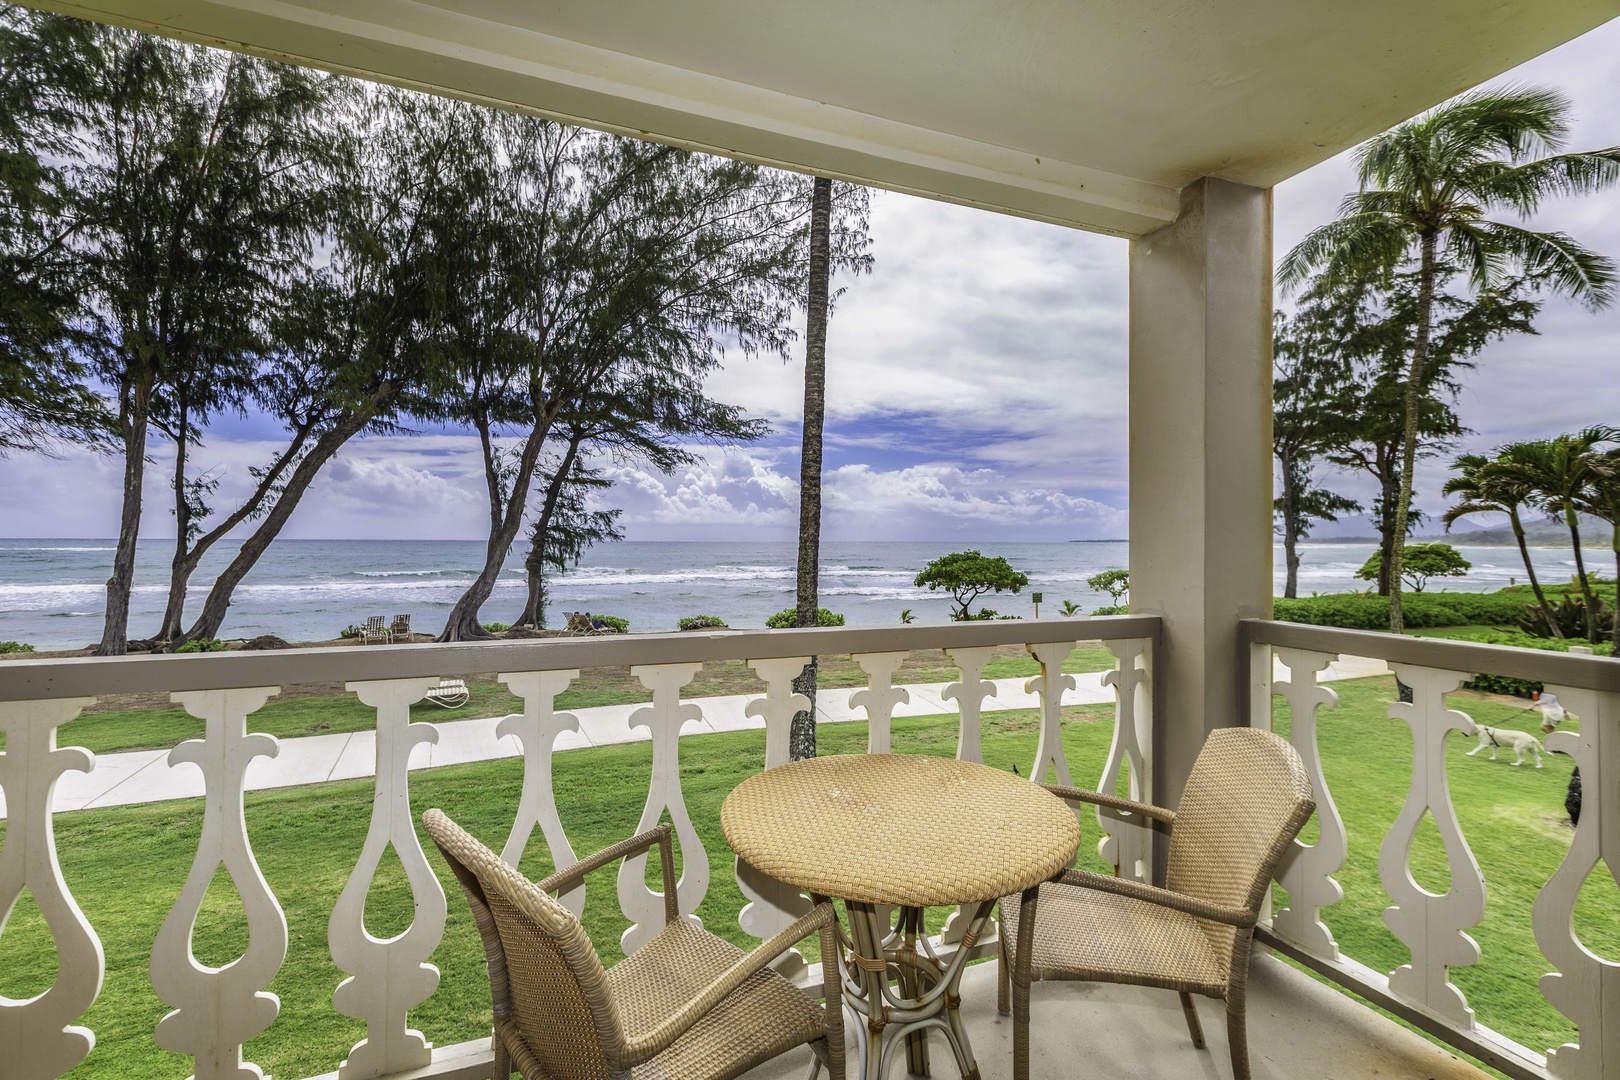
x: 580, y: 623
x: 376, y: 630
x: 400, y: 628
x: 449, y: 694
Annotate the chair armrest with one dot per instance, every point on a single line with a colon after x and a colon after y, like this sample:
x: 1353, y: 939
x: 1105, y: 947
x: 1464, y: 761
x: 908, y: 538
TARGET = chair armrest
x: 566, y: 879
x: 1113, y: 802
x: 645, y: 1048
x: 1085, y: 879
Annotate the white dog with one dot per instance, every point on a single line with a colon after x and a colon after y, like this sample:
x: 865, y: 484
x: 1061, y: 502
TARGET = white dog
x: 1517, y: 741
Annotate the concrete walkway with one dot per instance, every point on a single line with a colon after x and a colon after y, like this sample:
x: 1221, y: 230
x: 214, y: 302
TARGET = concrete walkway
x: 145, y: 776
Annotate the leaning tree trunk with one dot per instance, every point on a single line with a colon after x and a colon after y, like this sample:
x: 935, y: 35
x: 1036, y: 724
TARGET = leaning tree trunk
x: 534, y: 609
x: 1409, y: 428
x: 218, y: 603
x: 802, y: 737
x: 1573, y: 522
x: 1530, y: 571
x: 180, y: 566
x: 136, y: 402
x: 462, y: 623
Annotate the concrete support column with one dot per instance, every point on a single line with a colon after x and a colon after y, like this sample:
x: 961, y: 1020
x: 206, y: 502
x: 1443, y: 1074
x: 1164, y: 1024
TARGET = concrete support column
x: 1200, y: 414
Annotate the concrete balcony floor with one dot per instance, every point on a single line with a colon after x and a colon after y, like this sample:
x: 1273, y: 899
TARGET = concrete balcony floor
x: 1299, y: 1029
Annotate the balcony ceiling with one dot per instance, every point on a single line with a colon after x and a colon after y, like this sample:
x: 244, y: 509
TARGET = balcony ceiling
x: 1090, y: 113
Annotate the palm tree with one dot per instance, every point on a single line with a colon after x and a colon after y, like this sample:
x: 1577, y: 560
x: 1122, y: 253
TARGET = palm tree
x: 1428, y: 185
x: 1560, y: 473
x: 1487, y: 487
x: 802, y: 736
x: 1602, y: 501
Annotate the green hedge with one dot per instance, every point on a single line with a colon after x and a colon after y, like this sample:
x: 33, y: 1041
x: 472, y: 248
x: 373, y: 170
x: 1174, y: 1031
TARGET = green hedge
x: 1363, y: 611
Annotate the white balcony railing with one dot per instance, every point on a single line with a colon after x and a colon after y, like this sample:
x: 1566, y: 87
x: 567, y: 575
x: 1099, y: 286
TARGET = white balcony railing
x: 217, y: 1009
x: 1581, y: 985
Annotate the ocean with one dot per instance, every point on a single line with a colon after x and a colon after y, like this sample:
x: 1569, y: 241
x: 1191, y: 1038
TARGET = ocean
x: 51, y: 591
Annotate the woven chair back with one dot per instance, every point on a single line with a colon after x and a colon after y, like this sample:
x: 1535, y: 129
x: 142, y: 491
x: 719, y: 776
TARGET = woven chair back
x: 541, y: 962
x: 1246, y: 799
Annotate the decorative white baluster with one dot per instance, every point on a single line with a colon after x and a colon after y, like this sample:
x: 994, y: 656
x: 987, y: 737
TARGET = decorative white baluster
x: 1050, y: 684
x: 1126, y: 842
x: 880, y: 696
x: 969, y: 693
x: 1431, y: 925
x: 37, y: 1039
x: 389, y: 978
x: 1586, y: 987
x: 537, y: 729
x: 643, y: 907
x: 1306, y: 869
x: 772, y: 906
x: 216, y: 1010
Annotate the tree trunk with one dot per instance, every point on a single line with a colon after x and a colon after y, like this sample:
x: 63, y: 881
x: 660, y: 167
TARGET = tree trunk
x: 534, y: 609
x: 1390, y: 487
x: 1290, y: 516
x: 1414, y: 386
x: 135, y: 404
x: 1530, y: 571
x: 179, y: 567
x: 214, y: 609
x: 462, y: 623
x: 802, y: 737
x: 1580, y: 573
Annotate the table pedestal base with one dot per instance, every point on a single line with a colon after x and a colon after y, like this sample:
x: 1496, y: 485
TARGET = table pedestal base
x: 896, y: 988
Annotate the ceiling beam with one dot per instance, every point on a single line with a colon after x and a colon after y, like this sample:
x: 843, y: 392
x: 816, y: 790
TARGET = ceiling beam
x: 451, y: 53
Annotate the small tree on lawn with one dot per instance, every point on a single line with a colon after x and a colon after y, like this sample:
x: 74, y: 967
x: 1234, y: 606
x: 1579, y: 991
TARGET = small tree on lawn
x: 966, y: 575
x: 1423, y: 561
x: 1116, y: 583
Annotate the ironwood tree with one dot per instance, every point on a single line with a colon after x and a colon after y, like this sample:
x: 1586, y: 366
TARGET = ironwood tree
x: 621, y: 262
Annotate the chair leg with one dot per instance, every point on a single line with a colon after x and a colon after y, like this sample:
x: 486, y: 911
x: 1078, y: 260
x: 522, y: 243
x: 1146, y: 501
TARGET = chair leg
x: 815, y: 1063
x: 1003, y: 977
x: 501, y: 1066
x: 1237, y: 1036
x: 1194, y: 1028
x: 1020, y: 982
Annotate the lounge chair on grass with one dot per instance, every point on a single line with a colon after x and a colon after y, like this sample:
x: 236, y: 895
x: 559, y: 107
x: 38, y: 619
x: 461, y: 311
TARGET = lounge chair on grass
x: 450, y: 693
x: 376, y: 632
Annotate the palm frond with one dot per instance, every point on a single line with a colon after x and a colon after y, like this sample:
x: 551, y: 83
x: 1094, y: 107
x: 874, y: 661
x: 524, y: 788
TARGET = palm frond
x: 1557, y: 260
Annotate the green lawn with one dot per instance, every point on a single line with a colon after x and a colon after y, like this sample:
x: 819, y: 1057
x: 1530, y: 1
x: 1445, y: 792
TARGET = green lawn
x: 126, y: 866
x: 1514, y: 821
x: 106, y: 731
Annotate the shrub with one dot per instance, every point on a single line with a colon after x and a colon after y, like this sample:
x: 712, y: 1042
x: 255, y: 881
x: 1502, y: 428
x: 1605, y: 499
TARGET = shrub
x: 1569, y: 615
x: 1071, y: 609
x: 351, y: 631
x: 202, y: 644
x: 15, y: 646
x: 1363, y: 611
x: 614, y: 623
x: 497, y: 627
x: 700, y: 622
x: 906, y: 616
x: 787, y: 617
x: 1113, y: 609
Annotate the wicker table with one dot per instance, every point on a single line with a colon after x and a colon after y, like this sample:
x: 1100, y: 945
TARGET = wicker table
x: 901, y: 830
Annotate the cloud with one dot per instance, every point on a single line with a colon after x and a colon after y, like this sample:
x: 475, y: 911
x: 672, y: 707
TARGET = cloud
x: 977, y: 389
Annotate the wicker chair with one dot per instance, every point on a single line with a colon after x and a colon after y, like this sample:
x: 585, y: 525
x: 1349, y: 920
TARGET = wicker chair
x: 1246, y: 799
x: 685, y: 1006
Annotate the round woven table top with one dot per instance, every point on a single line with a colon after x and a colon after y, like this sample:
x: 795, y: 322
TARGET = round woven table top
x: 899, y: 829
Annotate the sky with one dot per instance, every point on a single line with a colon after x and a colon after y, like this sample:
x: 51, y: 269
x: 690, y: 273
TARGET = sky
x: 976, y: 391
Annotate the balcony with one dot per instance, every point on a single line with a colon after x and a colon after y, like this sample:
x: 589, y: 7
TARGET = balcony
x: 1300, y: 1024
